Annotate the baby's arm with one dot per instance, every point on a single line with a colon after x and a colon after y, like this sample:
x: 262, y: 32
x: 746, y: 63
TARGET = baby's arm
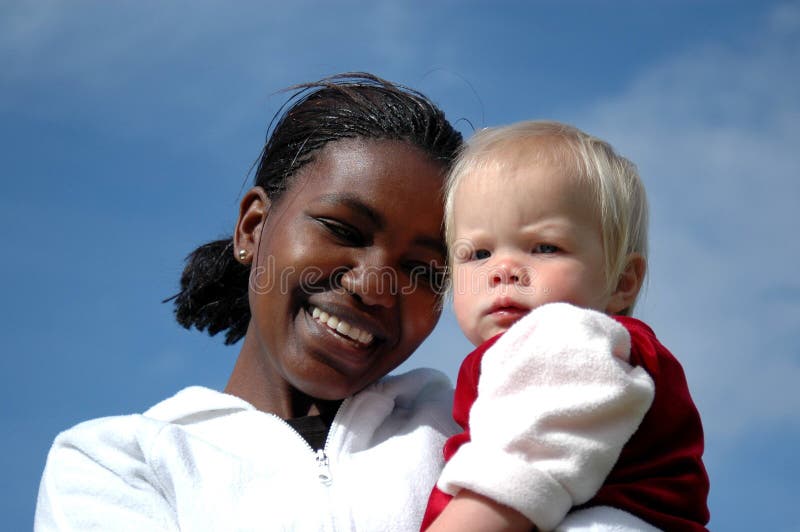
x: 476, y: 513
x: 556, y: 403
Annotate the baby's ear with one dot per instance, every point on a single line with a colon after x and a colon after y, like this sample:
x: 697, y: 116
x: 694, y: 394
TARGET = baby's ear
x: 628, y: 285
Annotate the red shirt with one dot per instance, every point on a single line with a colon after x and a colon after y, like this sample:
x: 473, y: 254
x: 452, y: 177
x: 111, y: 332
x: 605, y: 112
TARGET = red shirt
x: 660, y: 476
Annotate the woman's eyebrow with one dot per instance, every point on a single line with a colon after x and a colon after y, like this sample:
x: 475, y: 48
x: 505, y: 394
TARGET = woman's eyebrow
x: 354, y: 203
x: 434, y: 244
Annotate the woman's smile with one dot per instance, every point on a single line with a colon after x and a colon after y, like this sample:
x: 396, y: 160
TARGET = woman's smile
x: 332, y: 347
x: 343, y: 327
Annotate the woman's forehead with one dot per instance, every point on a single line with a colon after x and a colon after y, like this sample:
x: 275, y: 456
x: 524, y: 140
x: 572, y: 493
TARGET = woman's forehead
x: 388, y: 181
x: 363, y: 166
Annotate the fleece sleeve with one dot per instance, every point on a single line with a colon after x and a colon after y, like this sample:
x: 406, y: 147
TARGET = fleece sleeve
x: 556, y: 402
x: 603, y: 519
x: 96, y: 478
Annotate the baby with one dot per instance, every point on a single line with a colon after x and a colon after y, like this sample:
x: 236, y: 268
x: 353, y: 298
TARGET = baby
x: 576, y: 416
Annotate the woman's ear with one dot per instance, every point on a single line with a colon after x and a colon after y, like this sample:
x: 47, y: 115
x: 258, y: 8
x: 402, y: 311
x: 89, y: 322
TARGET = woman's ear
x: 628, y: 285
x: 253, y: 212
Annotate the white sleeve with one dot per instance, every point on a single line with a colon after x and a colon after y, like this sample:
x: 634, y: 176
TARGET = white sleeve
x: 603, y: 519
x: 96, y: 478
x: 556, y: 402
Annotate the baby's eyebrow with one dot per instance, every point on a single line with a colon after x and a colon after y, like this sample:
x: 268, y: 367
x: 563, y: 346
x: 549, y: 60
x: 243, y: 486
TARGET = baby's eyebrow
x: 550, y: 225
x: 474, y: 233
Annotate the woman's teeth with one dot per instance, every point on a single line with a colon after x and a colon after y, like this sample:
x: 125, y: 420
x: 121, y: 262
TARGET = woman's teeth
x: 341, y: 326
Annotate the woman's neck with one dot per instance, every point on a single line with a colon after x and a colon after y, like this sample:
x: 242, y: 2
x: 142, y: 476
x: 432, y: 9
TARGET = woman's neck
x: 250, y: 380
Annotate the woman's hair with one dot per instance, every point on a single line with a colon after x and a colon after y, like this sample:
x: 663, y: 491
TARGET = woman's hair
x: 213, y: 295
x: 619, y: 193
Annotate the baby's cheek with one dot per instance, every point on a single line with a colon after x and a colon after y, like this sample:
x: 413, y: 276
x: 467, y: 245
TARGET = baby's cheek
x: 467, y: 317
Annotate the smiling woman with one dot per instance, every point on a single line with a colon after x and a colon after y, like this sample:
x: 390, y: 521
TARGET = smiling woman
x: 347, y: 216
x: 331, y: 279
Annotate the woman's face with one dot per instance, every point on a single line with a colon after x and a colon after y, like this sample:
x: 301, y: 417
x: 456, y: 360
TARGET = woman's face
x: 340, y: 288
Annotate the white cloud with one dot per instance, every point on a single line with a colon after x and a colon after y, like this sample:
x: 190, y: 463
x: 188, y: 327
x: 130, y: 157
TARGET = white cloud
x: 715, y: 133
x: 218, y: 62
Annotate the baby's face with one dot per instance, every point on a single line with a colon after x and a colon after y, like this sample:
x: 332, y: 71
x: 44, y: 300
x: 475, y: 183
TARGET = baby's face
x: 525, y: 235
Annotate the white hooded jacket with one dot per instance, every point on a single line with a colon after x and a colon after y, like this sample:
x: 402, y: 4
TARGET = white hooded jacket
x: 204, y: 460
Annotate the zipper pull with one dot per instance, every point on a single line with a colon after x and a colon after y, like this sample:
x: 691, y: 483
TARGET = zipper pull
x: 323, y: 470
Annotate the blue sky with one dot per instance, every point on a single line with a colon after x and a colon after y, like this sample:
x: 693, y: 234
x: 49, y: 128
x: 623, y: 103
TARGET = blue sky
x: 127, y: 130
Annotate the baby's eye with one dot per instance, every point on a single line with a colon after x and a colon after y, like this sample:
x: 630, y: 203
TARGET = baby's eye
x: 545, y: 248
x: 481, y: 254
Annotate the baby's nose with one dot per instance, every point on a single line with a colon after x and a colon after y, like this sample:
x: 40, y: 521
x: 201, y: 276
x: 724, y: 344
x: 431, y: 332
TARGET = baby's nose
x: 506, y: 270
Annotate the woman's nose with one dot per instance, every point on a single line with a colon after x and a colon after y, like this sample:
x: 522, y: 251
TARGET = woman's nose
x: 372, y: 283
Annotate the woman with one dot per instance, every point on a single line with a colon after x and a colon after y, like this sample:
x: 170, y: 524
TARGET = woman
x: 331, y: 277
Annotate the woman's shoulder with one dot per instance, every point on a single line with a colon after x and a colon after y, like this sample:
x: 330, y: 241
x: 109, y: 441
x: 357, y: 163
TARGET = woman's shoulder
x: 418, y: 385
x: 194, y: 404
x: 422, y: 395
x: 102, y: 469
x: 108, y: 440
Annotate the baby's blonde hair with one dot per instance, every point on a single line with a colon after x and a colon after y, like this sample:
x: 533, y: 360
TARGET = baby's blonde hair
x: 617, y: 188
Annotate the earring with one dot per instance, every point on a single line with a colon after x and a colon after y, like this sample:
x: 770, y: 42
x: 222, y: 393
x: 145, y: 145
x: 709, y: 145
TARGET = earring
x: 242, y: 254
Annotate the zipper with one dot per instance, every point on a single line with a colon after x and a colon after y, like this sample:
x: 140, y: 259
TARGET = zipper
x: 323, y: 467
x: 320, y: 456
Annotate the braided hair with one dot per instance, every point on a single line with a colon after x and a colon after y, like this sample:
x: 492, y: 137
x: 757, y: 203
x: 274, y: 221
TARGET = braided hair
x: 213, y: 294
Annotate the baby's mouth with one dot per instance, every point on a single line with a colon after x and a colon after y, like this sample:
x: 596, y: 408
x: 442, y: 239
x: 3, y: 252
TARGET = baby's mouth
x: 342, y: 327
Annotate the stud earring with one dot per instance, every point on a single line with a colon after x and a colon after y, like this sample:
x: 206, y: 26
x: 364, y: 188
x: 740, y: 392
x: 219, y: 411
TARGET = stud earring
x: 242, y: 254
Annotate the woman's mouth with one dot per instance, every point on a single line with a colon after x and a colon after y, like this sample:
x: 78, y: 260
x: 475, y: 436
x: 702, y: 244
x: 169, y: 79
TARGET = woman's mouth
x: 342, y: 327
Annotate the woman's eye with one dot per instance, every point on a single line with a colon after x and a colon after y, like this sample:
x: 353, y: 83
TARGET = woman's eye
x: 342, y: 231
x: 545, y: 248
x: 481, y: 254
x: 431, y: 274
